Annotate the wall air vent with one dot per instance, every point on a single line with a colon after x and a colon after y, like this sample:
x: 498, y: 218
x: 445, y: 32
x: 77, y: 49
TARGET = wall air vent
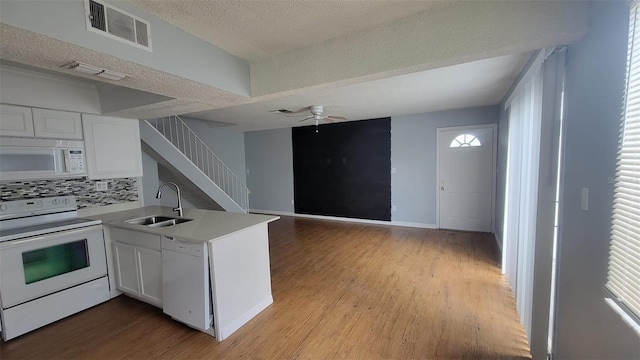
x: 117, y: 24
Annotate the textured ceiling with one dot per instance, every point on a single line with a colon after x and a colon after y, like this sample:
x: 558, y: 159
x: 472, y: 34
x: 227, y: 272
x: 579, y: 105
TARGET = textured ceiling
x: 340, y: 54
x: 257, y: 29
x: 477, y: 83
x: 40, y: 51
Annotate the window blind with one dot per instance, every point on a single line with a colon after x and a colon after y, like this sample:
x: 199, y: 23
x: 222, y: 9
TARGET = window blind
x: 623, y: 280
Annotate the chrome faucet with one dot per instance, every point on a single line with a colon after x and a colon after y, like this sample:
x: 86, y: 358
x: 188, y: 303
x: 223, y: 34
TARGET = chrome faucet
x: 159, y: 195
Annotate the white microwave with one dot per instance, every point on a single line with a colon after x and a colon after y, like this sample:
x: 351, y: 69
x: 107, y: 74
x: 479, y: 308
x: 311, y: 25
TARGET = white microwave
x: 35, y: 159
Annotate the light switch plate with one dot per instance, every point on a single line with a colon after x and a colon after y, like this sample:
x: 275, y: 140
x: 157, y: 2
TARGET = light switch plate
x: 584, y: 201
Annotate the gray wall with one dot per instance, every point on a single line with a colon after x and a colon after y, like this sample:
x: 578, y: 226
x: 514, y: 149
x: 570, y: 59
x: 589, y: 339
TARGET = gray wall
x: 226, y: 143
x: 115, y: 98
x: 20, y: 86
x: 413, y: 155
x: 586, y: 326
x: 174, y: 51
x: 150, y: 180
x: 269, y: 157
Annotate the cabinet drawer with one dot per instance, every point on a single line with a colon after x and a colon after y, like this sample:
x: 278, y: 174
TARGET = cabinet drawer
x: 136, y: 238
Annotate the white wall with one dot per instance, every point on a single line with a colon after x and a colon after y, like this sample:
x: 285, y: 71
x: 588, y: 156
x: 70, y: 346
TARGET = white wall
x: 585, y: 326
x: 413, y: 155
x: 501, y: 175
x: 270, y: 169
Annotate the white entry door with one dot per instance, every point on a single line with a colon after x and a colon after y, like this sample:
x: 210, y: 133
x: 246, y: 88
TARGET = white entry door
x: 466, y: 169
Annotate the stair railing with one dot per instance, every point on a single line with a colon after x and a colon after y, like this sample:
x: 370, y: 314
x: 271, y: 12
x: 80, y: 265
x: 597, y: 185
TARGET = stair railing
x: 190, y: 145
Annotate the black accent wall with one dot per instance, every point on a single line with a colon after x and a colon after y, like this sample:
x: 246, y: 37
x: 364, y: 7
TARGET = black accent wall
x: 344, y: 169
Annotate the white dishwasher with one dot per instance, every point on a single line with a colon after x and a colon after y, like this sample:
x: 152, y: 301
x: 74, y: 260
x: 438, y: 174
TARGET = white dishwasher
x: 186, y: 294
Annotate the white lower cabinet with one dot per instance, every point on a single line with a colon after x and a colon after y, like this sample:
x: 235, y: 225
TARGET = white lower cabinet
x: 138, y: 265
x: 150, y: 275
x: 126, y: 268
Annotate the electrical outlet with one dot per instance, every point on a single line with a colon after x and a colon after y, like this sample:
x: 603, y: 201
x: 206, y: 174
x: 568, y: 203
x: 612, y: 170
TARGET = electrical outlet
x: 393, y: 208
x: 292, y: 202
x: 393, y: 170
x: 102, y: 186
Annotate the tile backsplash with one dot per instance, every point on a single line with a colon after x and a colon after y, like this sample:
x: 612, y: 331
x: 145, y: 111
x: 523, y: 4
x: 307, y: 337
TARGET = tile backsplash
x: 118, y: 190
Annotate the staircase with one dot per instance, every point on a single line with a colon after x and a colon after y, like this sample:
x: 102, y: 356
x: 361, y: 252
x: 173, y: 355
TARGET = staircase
x: 180, y: 148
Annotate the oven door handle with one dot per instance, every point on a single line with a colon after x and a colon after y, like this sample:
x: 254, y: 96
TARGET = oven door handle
x: 39, y: 238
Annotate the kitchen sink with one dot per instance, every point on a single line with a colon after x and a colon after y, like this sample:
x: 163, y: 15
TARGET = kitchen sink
x: 158, y: 221
x: 170, y: 222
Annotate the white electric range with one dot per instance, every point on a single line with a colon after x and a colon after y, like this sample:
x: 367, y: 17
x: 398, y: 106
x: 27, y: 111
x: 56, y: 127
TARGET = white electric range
x: 52, y: 263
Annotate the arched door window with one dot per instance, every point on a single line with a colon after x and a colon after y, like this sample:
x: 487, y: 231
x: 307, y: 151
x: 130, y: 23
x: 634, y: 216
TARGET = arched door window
x: 465, y: 140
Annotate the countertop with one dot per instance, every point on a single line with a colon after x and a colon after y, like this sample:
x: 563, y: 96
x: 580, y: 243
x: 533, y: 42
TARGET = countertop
x: 207, y: 225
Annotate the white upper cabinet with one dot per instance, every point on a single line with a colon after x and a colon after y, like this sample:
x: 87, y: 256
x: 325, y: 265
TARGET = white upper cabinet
x: 42, y: 123
x: 112, y: 147
x: 16, y: 121
x: 57, y: 124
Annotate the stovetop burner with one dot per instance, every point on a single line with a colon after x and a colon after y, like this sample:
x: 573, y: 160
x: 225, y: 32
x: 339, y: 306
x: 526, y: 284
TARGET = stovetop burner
x: 34, y: 217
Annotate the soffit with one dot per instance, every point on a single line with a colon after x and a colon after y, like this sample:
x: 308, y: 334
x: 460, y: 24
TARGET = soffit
x: 479, y: 83
x: 257, y: 29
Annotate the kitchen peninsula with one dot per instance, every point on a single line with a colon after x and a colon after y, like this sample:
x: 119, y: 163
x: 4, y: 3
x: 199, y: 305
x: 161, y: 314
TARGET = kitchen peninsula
x: 142, y: 263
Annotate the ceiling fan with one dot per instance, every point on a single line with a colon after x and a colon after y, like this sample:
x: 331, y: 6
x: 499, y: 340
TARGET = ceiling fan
x: 316, y: 114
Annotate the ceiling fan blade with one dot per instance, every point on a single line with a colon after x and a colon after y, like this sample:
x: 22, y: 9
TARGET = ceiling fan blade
x: 336, y: 118
x: 298, y: 115
x: 307, y: 118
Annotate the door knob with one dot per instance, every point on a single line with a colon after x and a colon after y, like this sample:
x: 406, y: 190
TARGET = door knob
x: 442, y: 188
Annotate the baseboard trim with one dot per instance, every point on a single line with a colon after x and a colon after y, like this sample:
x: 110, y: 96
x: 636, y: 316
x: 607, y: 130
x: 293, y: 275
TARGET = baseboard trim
x: 414, y: 225
x: 343, y: 219
x: 226, y: 331
x: 498, y: 241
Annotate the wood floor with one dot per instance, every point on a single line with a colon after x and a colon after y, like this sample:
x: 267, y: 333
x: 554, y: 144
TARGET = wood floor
x: 341, y: 291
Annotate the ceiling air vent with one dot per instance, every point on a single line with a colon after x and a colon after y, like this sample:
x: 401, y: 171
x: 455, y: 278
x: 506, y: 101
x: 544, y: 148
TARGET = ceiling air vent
x: 110, y: 21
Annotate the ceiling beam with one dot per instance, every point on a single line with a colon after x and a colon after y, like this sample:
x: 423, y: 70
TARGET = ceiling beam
x: 457, y: 33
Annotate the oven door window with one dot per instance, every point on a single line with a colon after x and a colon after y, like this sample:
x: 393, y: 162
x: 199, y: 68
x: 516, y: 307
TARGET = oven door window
x: 55, y: 260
